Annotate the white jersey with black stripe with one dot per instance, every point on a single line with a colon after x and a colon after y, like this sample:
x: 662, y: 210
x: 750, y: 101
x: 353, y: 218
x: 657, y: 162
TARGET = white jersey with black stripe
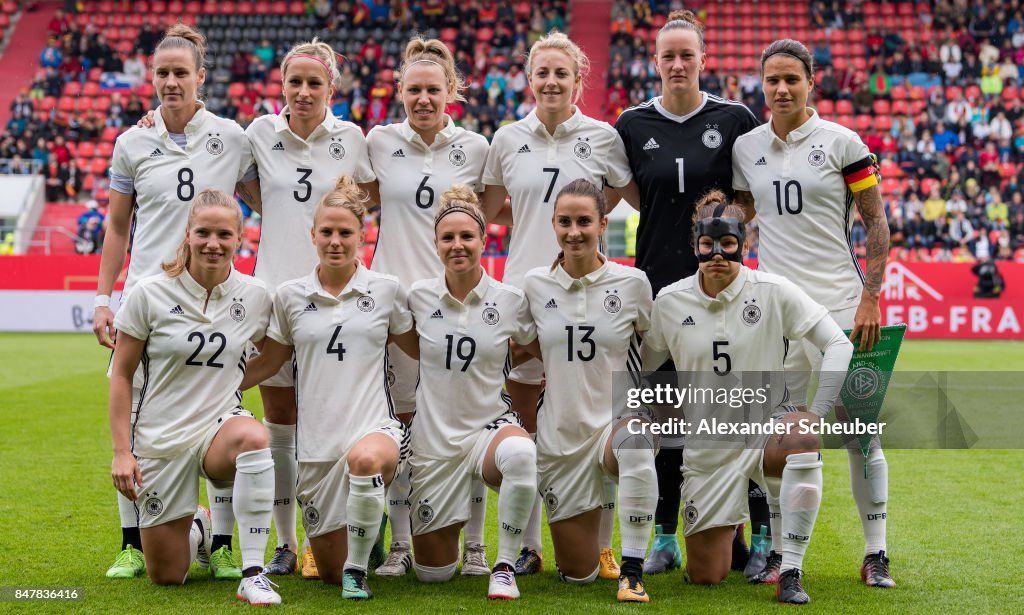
x: 412, y: 177
x: 804, y: 207
x: 167, y: 177
x: 588, y: 330
x: 340, y: 357
x: 464, y: 360
x: 533, y: 165
x: 194, y: 357
x: 294, y: 174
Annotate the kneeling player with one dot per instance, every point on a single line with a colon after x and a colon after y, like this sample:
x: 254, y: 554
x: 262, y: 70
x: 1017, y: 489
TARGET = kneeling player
x: 742, y: 320
x: 589, y: 314
x: 465, y: 430
x: 338, y: 320
x: 189, y: 327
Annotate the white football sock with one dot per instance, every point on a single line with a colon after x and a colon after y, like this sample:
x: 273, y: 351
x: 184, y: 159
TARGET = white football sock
x: 638, y: 497
x: 473, y: 531
x: 531, y: 539
x: 282, y: 448
x: 434, y: 574
x: 604, y: 535
x: 221, y: 508
x: 399, y: 509
x: 870, y: 494
x: 365, y: 505
x: 253, y: 501
x: 775, y: 523
x: 516, y: 459
x: 127, y: 512
x: 800, y: 500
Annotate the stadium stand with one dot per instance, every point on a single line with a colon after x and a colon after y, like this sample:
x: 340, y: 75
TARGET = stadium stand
x: 932, y: 89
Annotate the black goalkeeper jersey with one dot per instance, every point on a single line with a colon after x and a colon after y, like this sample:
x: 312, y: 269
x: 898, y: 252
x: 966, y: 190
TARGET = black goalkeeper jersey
x: 675, y: 161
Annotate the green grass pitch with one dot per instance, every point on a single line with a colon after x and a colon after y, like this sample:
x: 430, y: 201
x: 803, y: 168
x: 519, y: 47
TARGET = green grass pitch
x: 950, y: 517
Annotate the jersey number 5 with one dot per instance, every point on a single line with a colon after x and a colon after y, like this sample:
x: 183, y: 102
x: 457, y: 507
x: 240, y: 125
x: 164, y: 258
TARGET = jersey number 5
x: 721, y: 355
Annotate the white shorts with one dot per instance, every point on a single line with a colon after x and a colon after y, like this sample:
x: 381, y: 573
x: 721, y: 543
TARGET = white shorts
x: 719, y: 498
x: 285, y: 377
x: 804, y: 359
x: 403, y: 377
x: 531, y: 372
x: 442, y: 488
x: 171, y: 484
x: 322, y: 490
x: 574, y: 484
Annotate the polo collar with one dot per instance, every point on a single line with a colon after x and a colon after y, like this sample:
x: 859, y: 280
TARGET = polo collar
x: 803, y: 130
x: 190, y: 128
x: 359, y: 283
x: 196, y: 289
x: 729, y: 293
x: 567, y: 127
x: 475, y: 295
x: 566, y: 281
x: 281, y: 123
x: 446, y: 134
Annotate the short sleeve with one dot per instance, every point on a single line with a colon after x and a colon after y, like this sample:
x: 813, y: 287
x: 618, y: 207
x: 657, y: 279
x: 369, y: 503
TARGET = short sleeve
x: 655, y: 336
x: 120, y: 162
x: 493, y: 173
x: 858, y: 164
x: 400, y: 320
x: 362, y: 172
x: 246, y: 159
x: 739, y: 179
x: 799, y: 312
x: 526, y: 328
x: 617, y: 172
x: 133, y: 316
x: 280, y: 329
x: 645, y: 304
x: 265, y: 314
x: 372, y: 146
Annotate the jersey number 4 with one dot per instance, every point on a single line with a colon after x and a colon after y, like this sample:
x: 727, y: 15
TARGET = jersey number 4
x: 335, y: 346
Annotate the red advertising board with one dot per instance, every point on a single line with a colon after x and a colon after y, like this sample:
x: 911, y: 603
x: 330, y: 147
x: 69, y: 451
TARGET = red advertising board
x: 934, y: 299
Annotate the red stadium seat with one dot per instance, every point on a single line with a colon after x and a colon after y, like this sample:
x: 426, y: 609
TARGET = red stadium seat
x: 279, y: 7
x: 95, y: 73
x: 48, y: 103
x: 1010, y: 92
x: 105, y: 150
x: 845, y: 120
x: 863, y: 122
x: 825, y: 107
x: 193, y: 7
x: 881, y: 107
x: 262, y: 7
x: 109, y: 134
x: 275, y: 75
x: 91, y: 88
x: 73, y: 88
x: 844, y: 107
x: 236, y: 89
x: 99, y: 166
x: 101, y: 104
x: 972, y: 91
x: 898, y: 92
x: 86, y: 149
x: 274, y: 90
x: 296, y: 7
x: 244, y: 8
x: 66, y: 104
x: 82, y: 163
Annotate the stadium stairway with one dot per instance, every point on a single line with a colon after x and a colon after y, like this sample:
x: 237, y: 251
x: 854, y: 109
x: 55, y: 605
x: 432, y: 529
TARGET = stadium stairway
x: 591, y: 28
x: 56, y: 215
x: 20, y: 61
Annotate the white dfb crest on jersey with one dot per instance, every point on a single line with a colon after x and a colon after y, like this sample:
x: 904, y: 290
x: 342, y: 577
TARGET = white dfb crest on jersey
x: 456, y: 156
x: 711, y: 138
x: 582, y: 148
x: 336, y: 150
x: 751, y: 313
x: 214, y: 145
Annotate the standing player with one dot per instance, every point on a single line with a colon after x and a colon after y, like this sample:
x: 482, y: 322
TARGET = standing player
x: 679, y: 146
x: 188, y: 329
x: 466, y: 322
x: 589, y: 314
x: 154, y: 175
x: 415, y: 161
x: 299, y: 154
x: 337, y: 321
x: 802, y: 175
x: 742, y: 322
x: 531, y: 160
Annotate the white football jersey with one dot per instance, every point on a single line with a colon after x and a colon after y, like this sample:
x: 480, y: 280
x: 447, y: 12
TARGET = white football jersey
x: 340, y: 357
x: 805, y: 204
x: 464, y: 359
x: 534, y: 165
x: 294, y: 174
x: 412, y: 177
x: 588, y: 330
x: 168, y: 177
x: 194, y: 360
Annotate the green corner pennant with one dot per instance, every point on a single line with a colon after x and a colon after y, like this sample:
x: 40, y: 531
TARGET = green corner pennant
x: 867, y: 380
